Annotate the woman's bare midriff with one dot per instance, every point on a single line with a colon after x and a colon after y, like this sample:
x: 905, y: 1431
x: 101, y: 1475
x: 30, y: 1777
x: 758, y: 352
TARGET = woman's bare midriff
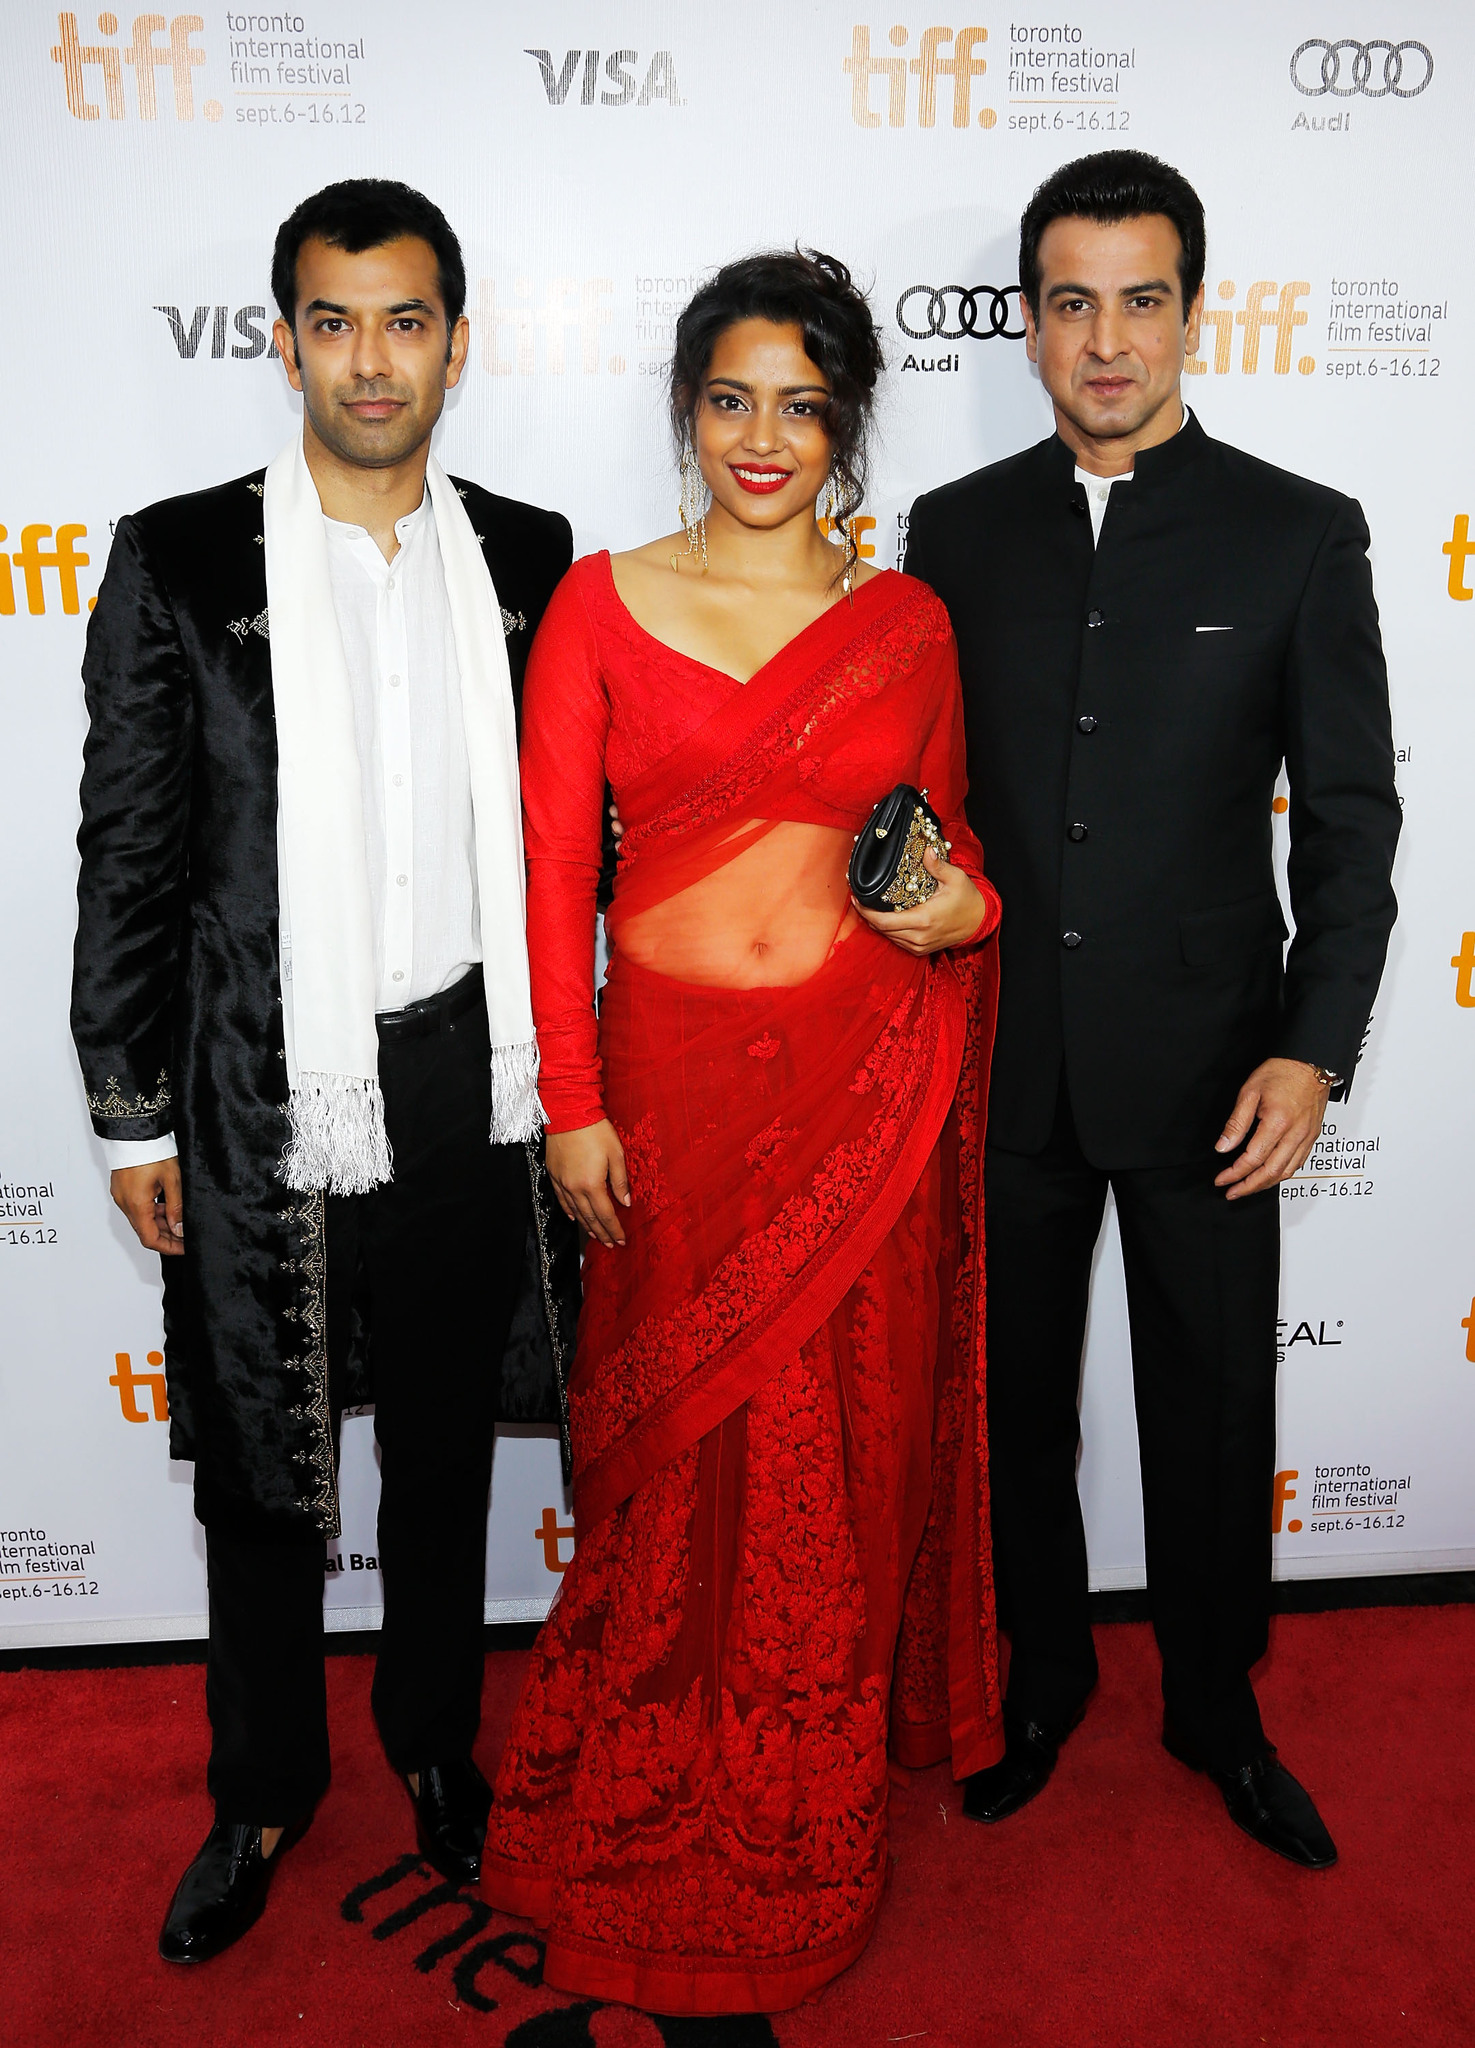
x: 768, y: 918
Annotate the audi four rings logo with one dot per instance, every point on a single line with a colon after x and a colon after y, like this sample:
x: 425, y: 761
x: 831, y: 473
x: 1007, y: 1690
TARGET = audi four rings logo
x: 952, y: 312
x: 1360, y: 70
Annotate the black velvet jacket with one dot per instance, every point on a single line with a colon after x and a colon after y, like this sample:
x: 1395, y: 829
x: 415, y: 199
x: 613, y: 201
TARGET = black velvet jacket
x: 1128, y: 707
x: 176, y: 1008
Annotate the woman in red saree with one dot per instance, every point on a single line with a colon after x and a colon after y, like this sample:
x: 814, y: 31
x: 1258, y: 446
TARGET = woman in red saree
x: 775, y: 1143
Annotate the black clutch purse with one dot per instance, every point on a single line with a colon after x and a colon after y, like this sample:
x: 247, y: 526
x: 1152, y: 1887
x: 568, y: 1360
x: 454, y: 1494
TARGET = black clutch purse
x: 886, y: 871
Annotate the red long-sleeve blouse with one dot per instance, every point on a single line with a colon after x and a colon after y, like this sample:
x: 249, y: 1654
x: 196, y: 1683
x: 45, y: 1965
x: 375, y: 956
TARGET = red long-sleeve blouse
x: 604, y: 701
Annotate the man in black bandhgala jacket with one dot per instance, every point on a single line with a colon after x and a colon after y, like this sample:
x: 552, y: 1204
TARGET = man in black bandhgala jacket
x: 1150, y: 623
x: 302, y: 689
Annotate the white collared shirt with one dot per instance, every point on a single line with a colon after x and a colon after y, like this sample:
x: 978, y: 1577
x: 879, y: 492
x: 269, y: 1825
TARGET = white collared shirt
x: 395, y: 620
x: 419, y: 835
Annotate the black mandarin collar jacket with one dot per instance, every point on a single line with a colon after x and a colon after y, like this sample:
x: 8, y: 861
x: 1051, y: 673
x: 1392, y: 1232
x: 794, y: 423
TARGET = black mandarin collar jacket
x: 175, y: 996
x: 1128, y: 710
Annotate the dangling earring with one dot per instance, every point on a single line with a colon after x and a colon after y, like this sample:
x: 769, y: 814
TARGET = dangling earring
x: 828, y: 509
x: 693, y: 507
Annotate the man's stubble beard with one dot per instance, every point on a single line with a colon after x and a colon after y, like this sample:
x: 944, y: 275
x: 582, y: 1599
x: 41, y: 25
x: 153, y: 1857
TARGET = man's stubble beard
x: 381, y: 445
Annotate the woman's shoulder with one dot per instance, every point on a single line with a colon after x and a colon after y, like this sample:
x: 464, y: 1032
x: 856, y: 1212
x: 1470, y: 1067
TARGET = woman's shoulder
x: 921, y: 604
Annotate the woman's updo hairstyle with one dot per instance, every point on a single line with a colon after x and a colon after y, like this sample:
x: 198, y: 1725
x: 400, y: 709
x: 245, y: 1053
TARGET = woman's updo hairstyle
x: 802, y: 288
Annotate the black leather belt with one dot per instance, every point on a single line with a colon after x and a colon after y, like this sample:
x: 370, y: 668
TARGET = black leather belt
x: 435, y: 1013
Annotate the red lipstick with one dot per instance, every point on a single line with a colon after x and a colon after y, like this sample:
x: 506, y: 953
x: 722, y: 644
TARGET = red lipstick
x: 760, y: 479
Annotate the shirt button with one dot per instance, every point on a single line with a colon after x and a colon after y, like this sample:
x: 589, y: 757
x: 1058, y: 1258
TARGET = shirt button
x: 1070, y: 940
x: 390, y: 584
x: 1095, y: 619
x: 402, y: 879
x: 1077, y: 832
x: 1086, y: 724
x: 399, y: 782
x: 398, y: 975
x: 394, y: 682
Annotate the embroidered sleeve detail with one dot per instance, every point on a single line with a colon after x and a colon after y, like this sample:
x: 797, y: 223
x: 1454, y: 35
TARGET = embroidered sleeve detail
x: 115, y: 1107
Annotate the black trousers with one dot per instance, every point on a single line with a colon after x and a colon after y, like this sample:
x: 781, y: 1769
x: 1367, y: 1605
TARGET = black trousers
x: 1203, y: 1280
x: 428, y: 1266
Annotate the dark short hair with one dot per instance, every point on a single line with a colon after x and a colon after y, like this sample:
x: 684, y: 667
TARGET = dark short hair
x: 814, y: 292
x: 365, y: 213
x: 1114, y: 184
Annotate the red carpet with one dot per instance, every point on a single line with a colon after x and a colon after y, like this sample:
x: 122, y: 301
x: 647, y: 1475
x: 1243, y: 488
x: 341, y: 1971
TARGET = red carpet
x: 1122, y: 1909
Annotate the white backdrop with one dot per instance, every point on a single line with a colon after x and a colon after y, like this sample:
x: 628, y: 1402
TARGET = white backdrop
x: 596, y: 160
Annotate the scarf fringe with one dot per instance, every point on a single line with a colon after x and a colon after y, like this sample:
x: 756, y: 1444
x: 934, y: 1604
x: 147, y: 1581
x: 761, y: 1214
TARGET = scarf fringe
x: 338, y: 1143
x: 517, y: 1113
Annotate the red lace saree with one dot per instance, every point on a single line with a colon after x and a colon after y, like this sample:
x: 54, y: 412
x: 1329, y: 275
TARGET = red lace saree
x: 780, y: 1483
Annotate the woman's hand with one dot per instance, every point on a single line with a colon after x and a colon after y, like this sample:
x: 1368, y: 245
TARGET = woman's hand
x: 586, y: 1168
x: 949, y: 917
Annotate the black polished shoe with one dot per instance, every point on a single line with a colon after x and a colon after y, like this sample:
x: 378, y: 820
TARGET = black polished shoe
x: 451, y: 1811
x: 1030, y: 1753
x: 1267, y: 1802
x: 222, y: 1893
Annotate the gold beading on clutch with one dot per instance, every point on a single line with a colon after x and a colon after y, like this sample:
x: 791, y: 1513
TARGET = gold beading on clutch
x: 914, y: 884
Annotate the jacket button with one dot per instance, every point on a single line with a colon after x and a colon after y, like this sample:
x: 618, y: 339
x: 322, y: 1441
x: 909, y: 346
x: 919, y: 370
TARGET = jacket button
x: 1077, y: 832
x: 1095, y: 619
x: 1070, y: 940
x: 1086, y: 724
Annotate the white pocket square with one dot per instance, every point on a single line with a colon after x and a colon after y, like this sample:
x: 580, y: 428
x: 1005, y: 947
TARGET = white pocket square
x: 1213, y: 629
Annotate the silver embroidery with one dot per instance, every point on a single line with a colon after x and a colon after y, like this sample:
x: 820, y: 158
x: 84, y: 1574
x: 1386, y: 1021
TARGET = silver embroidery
x: 259, y: 491
x: 512, y: 622
x: 542, y: 1222
x: 115, y: 1107
x: 312, y: 1312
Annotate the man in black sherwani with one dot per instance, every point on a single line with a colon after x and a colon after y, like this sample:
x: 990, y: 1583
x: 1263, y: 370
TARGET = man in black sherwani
x: 302, y: 689
x: 1150, y: 623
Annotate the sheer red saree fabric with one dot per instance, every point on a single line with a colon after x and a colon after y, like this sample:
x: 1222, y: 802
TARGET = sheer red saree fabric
x: 780, y: 1455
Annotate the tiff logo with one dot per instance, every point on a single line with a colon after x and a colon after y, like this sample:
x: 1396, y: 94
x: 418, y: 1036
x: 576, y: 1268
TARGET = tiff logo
x: 660, y: 78
x: 31, y: 558
x: 927, y: 67
x: 1463, y: 964
x: 1254, y: 317
x: 178, y: 57
x: 128, y: 1382
x: 1459, y: 547
x: 549, y: 1533
x: 568, y: 303
x: 187, y: 339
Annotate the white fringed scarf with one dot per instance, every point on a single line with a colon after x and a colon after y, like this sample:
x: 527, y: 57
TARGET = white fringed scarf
x: 336, y: 1108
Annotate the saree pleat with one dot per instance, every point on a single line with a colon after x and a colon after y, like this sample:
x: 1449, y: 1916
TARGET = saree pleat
x: 776, y: 1407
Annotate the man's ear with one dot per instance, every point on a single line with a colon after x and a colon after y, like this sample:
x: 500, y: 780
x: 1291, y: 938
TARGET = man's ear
x: 286, y: 342
x: 1031, y: 333
x: 1193, y: 323
x: 456, y: 357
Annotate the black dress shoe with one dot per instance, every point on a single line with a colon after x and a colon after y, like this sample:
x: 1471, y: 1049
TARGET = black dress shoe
x: 222, y: 1893
x: 1030, y: 1751
x: 451, y: 1811
x: 1267, y: 1802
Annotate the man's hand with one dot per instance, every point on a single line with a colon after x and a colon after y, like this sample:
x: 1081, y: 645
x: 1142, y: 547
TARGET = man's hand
x: 947, y: 918
x: 586, y: 1168
x: 152, y: 1199
x: 1290, y: 1103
